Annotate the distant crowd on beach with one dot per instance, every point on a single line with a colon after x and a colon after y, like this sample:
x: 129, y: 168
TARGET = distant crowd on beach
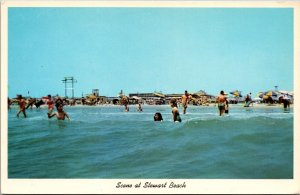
x: 221, y: 101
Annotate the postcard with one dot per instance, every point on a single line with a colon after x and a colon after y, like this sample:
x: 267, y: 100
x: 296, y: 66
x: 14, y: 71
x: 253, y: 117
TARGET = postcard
x: 159, y: 97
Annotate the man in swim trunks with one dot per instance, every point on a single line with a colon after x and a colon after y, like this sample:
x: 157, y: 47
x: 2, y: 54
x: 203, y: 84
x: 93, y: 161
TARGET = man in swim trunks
x: 185, y: 100
x: 22, y: 105
x: 221, y: 100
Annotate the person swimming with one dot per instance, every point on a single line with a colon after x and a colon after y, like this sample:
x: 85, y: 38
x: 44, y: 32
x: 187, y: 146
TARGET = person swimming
x: 175, y: 112
x: 158, y: 117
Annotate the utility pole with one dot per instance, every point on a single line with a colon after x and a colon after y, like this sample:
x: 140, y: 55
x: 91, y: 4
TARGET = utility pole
x: 70, y: 80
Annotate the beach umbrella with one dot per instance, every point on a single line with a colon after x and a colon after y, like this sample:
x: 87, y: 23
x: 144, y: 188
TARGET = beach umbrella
x: 260, y: 94
x: 159, y: 94
x: 271, y: 93
x: 266, y: 95
x: 236, y: 93
x: 92, y: 97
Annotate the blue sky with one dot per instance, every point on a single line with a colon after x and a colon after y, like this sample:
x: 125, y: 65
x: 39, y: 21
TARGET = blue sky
x: 149, y: 49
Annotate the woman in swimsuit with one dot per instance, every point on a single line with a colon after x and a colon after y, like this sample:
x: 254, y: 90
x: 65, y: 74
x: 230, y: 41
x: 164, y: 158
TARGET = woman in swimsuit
x: 175, y: 112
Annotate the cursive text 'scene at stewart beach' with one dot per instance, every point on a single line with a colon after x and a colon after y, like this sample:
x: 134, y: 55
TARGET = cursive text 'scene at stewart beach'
x: 151, y: 185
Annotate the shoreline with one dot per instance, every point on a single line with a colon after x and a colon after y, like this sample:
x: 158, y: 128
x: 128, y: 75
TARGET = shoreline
x: 240, y: 105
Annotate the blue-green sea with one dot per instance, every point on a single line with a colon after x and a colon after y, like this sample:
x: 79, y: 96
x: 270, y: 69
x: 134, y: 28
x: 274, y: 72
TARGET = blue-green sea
x: 106, y: 142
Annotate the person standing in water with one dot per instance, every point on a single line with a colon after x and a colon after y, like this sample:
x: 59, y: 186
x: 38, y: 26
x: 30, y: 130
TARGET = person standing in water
x: 175, y: 112
x: 22, y: 106
x: 248, y: 100
x: 139, y: 109
x: 286, y: 102
x: 50, y: 104
x: 226, y: 106
x: 31, y: 103
x: 60, y: 114
x: 39, y: 103
x: 125, y: 102
x: 58, y: 102
x: 185, y: 101
x: 8, y: 103
x: 221, y: 100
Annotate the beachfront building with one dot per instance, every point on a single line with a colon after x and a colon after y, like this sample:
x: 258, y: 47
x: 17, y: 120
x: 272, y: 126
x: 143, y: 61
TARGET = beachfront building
x: 155, y: 98
x: 172, y: 96
x: 95, y: 92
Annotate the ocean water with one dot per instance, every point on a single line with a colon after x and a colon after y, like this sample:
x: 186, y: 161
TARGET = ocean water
x: 106, y: 142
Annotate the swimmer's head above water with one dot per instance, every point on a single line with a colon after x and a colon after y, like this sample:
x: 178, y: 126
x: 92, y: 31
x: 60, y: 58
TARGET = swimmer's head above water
x: 158, y: 117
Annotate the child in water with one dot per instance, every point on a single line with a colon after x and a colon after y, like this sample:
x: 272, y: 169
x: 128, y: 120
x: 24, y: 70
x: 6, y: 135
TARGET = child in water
x: 22, y: 105
x: 60, y: 114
